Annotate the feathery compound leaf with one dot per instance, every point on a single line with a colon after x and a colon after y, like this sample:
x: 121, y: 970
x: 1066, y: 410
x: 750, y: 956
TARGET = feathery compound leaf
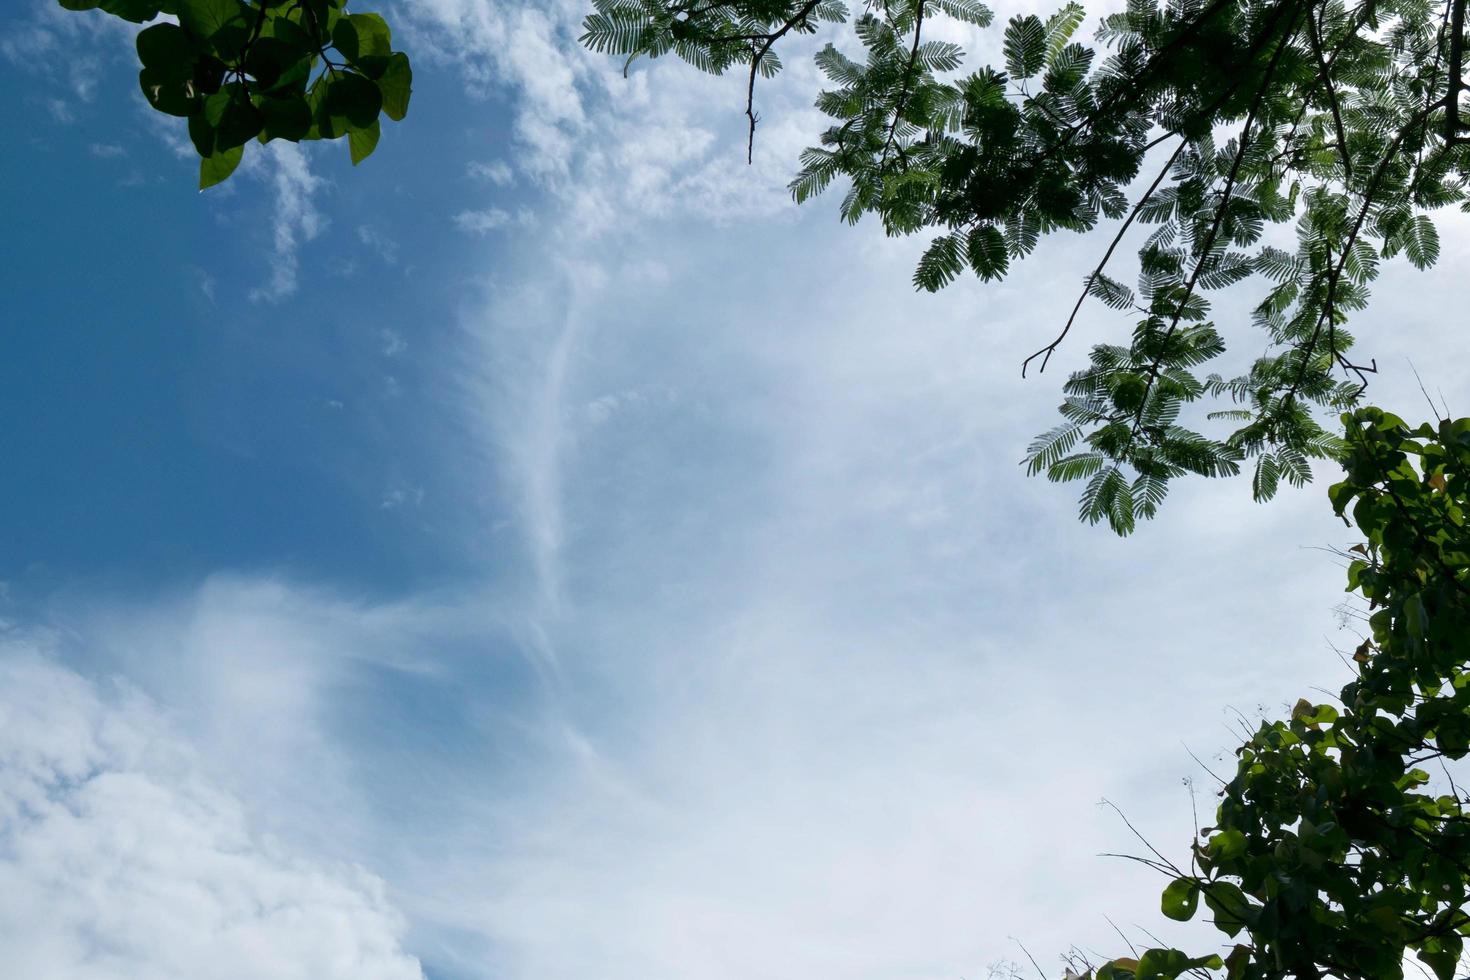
x: 969, y: 11
x: 986, y: 250
x: 1421, y: 242
x: 1339, y: 121
x: 1025, y: 46
x: 1266, y: 478
x: 1060, y: 27
x: 941, y: 262
x: 1075, y: 467
x: 1047, y: 449
x: 1111, y: 292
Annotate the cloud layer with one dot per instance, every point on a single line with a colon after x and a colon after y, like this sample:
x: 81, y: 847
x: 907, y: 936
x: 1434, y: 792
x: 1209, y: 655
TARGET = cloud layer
x: 121, y: 860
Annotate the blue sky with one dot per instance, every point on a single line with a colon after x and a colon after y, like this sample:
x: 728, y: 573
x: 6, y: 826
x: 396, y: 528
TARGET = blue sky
x: 543, y: 551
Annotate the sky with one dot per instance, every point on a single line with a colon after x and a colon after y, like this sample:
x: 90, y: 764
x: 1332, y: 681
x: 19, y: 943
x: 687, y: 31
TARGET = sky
x: 544, y: 551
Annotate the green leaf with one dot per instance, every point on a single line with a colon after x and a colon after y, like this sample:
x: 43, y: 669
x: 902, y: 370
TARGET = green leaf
x: 219, y: 166
x: 1421, y: 242
x: 1161, y: 964
x: 1232, y: 910
x: 1025, y: 46
x: 271, y: 58
x: 362, y: 141
x: 286, y: 117
x: 353, y: 97
x: 362, y: 35
x: 986, y: 251
x: 174, y: 97
x: 1060, y: 27
x: 1181, y: 899
x: 396, y: 85
x: 1227, y: 845
x: 168, y: 54
x: 233, y: 116
x: 204, y: 18
x: 201, y: 132
x: 137, y: 11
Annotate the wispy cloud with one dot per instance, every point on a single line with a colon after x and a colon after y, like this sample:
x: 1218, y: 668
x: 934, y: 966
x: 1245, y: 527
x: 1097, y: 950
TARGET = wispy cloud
x: 73, y: 48
x: 482, y: 222
x: 497, y: 172
x: 380, y: 242
x: 286, y: 169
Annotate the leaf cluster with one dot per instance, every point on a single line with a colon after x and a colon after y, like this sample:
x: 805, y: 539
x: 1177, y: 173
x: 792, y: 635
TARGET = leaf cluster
x: 1245, y: 121
x: 266, y: 69
x: 1333, y: 851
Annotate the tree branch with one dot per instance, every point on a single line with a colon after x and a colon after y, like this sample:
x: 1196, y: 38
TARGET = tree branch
x: 755, y: 62
x: 1342, y: 146
x: 906, y: 91
x: 1046, y: 352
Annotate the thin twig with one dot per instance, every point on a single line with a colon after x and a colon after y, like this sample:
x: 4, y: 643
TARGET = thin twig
x: 1046, y: 352
x: 755, y: 62
x: 904, y: 93
x: 1342, y: 147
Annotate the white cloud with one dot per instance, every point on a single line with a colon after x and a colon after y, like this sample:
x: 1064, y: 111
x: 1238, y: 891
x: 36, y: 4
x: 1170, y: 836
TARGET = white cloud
x: 61, y: 111
x: 393, y: 342
x: 380, y: 242
x: 402, y: 496
x: 122, y: 860
x: 482, y: 222
x: 106, y: 151
x: 779, y: 666
x: 286, y: 169
x: 72, y: 48
x: 497, y: 172
x: 668, y: 141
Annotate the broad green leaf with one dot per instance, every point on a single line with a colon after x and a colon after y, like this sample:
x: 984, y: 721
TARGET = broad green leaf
x: 174, y: 97
x: 362, y: 141
x: 166, y: 51
x: 1227, y: 845
x: 1181, y: 899
x: 1161, y: 964
x: 396, y: 86
x: 204, y: 18
x: 213, y: 169
x: 362, y: 35
x: 354, y: 98
x: 137, y: 11
x: 286, y: 117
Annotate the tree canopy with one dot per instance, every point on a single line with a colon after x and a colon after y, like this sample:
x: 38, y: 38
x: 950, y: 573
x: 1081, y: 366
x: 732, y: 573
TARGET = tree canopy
x: 1336, y: 850
x: 266, y: 69
x: 1221, y: 126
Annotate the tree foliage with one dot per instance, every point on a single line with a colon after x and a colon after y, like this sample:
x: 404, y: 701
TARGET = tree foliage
x: 1342, y: 843
x: 1295, y: 143
x: 266, y: 69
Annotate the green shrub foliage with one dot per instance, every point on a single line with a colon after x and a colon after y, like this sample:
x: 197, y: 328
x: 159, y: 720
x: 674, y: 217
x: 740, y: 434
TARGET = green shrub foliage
x: 265, y: 69
x: 1211, y: 130
x: 1341, y: 846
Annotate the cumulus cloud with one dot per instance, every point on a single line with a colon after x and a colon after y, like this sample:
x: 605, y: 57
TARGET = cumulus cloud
x: 122, y: 859
x: 657, y: 143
